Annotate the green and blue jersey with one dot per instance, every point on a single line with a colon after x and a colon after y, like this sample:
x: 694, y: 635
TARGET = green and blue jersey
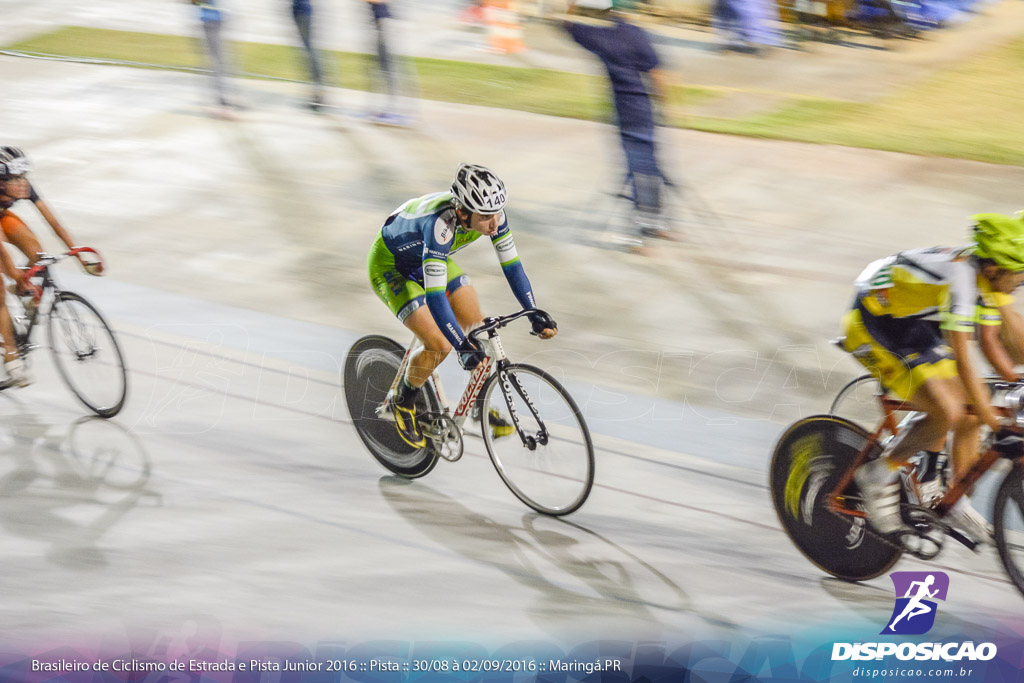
x: 423, y: 232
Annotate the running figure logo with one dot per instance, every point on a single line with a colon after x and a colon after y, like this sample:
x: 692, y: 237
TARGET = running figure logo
x: 914, y: 612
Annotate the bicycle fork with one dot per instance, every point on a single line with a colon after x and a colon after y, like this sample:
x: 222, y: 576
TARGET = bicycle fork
x: 508, y: 382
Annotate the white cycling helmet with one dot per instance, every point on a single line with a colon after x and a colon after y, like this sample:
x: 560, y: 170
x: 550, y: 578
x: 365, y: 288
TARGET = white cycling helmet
x: 477, y: 189
x: 13, y: 162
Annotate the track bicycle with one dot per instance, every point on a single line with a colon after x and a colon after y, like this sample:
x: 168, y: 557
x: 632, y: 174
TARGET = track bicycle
x: 858, y: 402
x: 85, y: 349
x: 822, y: 511
x: 548, y: 463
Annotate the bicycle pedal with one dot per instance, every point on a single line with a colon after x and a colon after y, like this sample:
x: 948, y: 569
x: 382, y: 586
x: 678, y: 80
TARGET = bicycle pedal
x: 924, y: 544
x: 925, y: 534
x: 432, y: 432
x: 433, y: 426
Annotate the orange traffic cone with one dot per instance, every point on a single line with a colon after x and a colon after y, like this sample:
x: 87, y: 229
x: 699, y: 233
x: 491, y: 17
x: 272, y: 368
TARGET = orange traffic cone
x: 505, y: 33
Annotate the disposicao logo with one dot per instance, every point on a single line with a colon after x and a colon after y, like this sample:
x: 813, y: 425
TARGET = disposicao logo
x: 916, y: 593
x: 914, y: 614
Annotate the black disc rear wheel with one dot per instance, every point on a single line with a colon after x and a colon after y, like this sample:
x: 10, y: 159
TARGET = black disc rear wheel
x: 809, y: 461
x: 370, y: 369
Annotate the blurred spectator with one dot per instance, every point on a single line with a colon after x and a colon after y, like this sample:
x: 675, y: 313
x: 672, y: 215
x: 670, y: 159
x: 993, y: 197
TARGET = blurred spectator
x: 302, y: 12
x: 746, y: 25
x: 473, y: 13
x: 387, y: 65
x: 211, y: 17
x: 632, y: 66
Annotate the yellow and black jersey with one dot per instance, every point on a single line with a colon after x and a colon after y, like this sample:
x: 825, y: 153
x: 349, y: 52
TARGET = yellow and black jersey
x: 937, y: 283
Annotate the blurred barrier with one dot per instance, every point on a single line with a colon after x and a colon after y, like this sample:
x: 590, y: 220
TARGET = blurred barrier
x: 504, y: 31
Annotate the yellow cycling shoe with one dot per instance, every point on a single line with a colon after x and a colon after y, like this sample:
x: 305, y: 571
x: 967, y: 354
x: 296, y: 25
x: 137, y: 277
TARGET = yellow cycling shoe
x: 499, y: 425
x: 405, y: 423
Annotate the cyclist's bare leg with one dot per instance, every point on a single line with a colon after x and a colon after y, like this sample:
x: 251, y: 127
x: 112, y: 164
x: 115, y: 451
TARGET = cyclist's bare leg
x: 435, y: 346
x: 466, y: 306
x: 7, y: 331
x: 7, y: 268
x: 965, y: 432
x: 942, y: 400
x: 941, y: 403
x: 23, y: 239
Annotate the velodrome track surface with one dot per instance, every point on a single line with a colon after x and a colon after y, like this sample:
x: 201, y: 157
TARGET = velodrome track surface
x: 232, y: 498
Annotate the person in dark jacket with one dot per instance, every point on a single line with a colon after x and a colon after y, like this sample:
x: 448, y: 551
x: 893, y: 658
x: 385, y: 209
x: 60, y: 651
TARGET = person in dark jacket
x: 632, y: 66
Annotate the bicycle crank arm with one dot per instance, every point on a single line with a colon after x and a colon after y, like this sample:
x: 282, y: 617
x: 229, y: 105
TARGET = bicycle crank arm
x: 444, y: 434
x: 970, y: 543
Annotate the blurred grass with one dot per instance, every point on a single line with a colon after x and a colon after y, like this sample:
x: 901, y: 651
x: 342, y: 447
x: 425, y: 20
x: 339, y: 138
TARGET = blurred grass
x: 972, y: 111
x: 540, y: 91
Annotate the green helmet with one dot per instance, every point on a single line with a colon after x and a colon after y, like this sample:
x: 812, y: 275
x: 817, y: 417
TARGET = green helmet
x: 1000, y: 238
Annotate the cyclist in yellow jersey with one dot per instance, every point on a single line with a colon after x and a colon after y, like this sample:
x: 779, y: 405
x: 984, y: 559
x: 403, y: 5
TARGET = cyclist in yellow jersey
x: 1000, y: 335
x: 911, y: 324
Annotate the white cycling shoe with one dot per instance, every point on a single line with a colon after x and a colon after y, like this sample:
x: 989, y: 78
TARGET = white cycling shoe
x: 964, y: 518
x: 17, y: 373
x: 879, y: 486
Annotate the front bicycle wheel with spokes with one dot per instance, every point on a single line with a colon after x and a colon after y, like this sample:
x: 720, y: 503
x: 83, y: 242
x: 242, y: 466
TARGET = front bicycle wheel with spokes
x: 87, y: 354
x: 370, y: 369
x: 553, y: 471
x: 1009, y: 525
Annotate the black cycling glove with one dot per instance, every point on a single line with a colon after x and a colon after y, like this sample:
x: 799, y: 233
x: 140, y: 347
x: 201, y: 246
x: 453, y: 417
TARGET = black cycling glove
x: 541, y: 322
x: 470, y: 354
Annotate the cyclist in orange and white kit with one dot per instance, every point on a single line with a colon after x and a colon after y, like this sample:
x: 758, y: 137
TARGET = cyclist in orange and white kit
x: 911, y: 324
x: 14, y: 186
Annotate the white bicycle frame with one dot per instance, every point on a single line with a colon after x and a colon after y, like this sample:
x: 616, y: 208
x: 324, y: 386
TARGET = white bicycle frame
x: 495, y: 353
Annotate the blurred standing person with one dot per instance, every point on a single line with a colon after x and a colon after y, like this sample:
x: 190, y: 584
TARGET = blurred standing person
x: 632, y: 66
x: 302, y: 13
x: 387, y: 66
x: 746, y: 25
x: 211, y: 17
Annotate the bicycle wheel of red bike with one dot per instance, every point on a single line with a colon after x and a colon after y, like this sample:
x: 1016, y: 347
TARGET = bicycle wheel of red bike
x: 87, y: 354
x: 1009, y: 525
x: 809, y: 461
